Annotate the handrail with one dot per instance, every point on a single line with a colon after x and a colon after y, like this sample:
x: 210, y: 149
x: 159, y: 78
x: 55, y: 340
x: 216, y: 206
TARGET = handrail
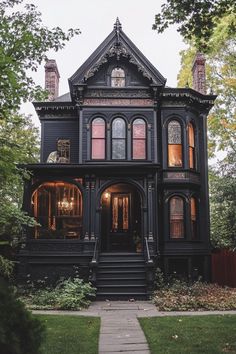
x: 149, y: 260
x: 95, y: 251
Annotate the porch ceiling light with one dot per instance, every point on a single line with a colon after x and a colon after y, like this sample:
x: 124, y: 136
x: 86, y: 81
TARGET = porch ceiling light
x: 65, y: 205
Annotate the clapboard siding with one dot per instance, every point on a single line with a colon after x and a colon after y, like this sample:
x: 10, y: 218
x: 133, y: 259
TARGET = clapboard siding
x: 52, y: 131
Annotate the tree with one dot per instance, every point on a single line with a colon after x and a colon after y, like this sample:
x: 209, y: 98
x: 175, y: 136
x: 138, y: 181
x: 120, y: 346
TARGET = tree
x: 23, y: 47
x: 196, y: 19
x: 223, y: 203
x: 221, y: 79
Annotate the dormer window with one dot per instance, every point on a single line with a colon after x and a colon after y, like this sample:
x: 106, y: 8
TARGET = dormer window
x: 117, y: 77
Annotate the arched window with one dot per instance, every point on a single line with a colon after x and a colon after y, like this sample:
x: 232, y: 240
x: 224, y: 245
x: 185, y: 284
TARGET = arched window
x: 118, y: 139
x: 117, y: 77
x: 193, y: 212
x: 98, y: 139
x: 191, y: 146
x: 139, y: 139
x: 57, y: 207
x: 174, y: 144
x: 176, y: 205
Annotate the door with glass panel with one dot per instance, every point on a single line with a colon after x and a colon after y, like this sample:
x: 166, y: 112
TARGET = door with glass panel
x: 120, y: 226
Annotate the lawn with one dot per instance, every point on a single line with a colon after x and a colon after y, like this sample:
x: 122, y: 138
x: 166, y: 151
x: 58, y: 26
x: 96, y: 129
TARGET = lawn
x: 70, y: 334
x: 191, y: 334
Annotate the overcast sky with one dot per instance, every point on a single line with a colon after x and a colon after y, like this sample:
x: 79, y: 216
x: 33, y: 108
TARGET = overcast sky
x: 95, y: 19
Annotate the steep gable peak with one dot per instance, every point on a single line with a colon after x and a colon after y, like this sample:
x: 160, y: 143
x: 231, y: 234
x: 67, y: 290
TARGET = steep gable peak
x: 117, y: 45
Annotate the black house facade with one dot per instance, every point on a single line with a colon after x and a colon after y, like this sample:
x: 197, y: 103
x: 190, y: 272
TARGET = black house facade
x: 122, y: 184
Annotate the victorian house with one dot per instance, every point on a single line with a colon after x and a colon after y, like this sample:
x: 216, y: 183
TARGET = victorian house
x: 122, y: 185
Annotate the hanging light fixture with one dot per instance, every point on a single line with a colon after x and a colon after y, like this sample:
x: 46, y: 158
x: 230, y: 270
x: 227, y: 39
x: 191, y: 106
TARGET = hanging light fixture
x: 65, y: 205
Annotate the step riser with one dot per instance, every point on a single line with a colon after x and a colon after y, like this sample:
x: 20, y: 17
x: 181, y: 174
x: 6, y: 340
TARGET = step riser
x: 121, y: 282
x: 114, y: 276
x: 121, y: 289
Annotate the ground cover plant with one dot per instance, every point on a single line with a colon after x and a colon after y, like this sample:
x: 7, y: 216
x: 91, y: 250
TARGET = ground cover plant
x: 191, y: 334
x: 68, y: 294
x: 70, y: 334
x: 179, y: 295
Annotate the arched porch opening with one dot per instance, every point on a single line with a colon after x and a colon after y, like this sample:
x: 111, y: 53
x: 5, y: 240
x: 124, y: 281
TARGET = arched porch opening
x: 57, y: 208
x: 121, y: 219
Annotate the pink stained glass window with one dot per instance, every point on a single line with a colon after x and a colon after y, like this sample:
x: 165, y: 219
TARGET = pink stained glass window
x: 139, y: 139
x: 98, y: 139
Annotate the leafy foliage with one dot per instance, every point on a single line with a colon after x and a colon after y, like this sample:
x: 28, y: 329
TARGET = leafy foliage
x: 221, y: 79
x: 6, y: 267
x: 182, y: 296
x: 20, y: 333
x: 196, y: 19
x: 69, y: 294
x: 223, y: 203
x: 24, y: 43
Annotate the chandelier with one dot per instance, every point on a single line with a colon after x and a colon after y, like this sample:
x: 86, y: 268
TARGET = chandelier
x: 65, y: 205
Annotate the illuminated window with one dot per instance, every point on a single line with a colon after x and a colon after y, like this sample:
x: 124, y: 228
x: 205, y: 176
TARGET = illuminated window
x: 139, y: 139
x: 117, y: 77
x: 120, y: 213
x: 191, y: 146
x: 57, y: 207
x: 174, y: 144
x: 176, y: 205
x: 63, y: 149
x: 118, y: 139
x: 98, y: 139
x: 193, y: 212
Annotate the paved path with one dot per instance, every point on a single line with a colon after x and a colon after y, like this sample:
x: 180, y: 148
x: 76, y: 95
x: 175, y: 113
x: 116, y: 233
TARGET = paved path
x: 120, y: 329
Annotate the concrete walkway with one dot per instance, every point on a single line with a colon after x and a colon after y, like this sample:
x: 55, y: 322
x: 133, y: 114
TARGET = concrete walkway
x: 120, y: 329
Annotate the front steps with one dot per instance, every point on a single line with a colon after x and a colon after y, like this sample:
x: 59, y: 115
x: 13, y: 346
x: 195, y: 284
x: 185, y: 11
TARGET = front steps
x: 121, y: 276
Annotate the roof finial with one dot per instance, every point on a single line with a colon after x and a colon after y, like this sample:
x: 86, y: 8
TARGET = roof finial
x: 117, y: 28
x: 117, y: 25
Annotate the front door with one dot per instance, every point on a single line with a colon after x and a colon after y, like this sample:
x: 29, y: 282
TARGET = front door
x: 120, y: 227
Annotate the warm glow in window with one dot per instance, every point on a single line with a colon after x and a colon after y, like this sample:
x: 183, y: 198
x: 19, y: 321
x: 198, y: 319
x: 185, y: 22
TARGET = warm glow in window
x: 118, y: 139
x: 139, y: 139
x: 120, y: 213
x: 176, y: 217
x: 174, y: 144
x: 57, y: 207
x: 193, y: 209
x: 191, y: 146
x: 98, y: 139
x: 117, y: 77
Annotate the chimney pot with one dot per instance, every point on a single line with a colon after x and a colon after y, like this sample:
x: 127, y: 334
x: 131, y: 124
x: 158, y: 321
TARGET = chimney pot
x: 199, y: 73
x: 52, y: 77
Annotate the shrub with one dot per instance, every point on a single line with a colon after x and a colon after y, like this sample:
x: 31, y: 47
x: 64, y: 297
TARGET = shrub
x: 20, y: 333
x: 182, y: 296
x: 69, y: 294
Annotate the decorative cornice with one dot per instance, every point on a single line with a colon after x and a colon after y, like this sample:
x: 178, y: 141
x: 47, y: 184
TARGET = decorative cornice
x: 117, y: 50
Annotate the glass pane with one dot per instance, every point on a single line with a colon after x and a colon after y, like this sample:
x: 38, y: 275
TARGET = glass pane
x: 98, y: 128
x: 118, y: 77
x: 139, y: 129
x: 194, y: 219
x: 191, y: 157
x: 118, y: 149
x: 176, y: 218
x: 139, y: 149
x: 191, y: 135
x: 115, y: 214
x: 193, y: 209
x: 175, y: 155
x: 174, y: 132
x: 118, y: 128
x: 98, y: 149
x: 125, y: 213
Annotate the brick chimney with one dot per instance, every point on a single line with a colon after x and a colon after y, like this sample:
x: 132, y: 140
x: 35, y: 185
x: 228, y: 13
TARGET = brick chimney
x: 52, y: 79
x: 199, y: 73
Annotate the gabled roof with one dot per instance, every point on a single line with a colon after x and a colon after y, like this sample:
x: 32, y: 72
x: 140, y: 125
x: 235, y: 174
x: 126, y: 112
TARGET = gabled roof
x: 118, y: 45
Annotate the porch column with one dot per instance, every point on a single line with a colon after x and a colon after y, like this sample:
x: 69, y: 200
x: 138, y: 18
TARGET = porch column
x: 86, y: 208
x: 92, y: 209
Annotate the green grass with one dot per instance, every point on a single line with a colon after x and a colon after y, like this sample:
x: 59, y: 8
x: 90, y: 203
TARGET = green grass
x: 70, y: 334
x: 191, y: 334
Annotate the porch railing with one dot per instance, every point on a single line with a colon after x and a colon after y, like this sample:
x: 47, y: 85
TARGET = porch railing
x: 147, y: 251
x: 94, y: 262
